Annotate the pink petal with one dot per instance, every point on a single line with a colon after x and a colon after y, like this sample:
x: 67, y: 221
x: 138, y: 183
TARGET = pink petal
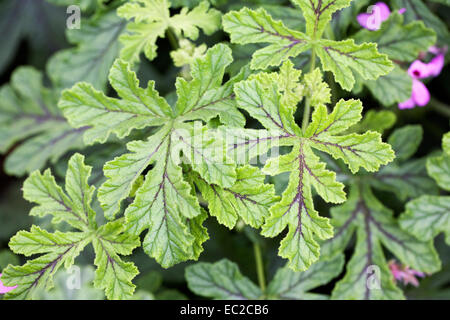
x: 4, y: 289
x: 435, y: 65
x: 384, y: 10
x: 402, y: 10
x: 410, y: 279
x: 418, y: 273
x: 419, y: 70
x: 420, y: 93
x: 363, y: 21
x: 408, y: 104
x: 372, y: 21
x: 434, y: 50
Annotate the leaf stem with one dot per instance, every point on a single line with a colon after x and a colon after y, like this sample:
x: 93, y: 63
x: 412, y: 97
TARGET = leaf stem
x: 307, y: 111
x: 440, y: 107
x: 173, y: 39
x: 259, y: 266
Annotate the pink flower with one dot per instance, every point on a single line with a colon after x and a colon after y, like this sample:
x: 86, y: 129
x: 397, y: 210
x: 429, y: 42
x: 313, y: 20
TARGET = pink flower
x: 4, y: 289
x: 420, y: 96
x: 419, y: 70
x: 436, y: 65
x: 380, y: 12
x: 405, y: 274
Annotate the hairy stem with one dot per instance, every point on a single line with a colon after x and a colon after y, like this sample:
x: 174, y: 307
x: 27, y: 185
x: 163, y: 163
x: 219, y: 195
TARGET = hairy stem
x: 440, y: 107
x: 307, y: 111
x: 173, y: 39
x: 259, y: 267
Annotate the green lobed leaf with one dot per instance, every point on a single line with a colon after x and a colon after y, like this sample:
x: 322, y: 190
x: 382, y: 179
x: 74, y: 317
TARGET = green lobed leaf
x: 368, y: 275
x: 83, y: 105
x: 113, y: 274
x: 401, y: 42
x: 417, y: 10
x: 221, y: 280
x: 96, y: 46
x: 427, y: 216
x: 152, y: 19
x: 407, y: 180
x: 392, y: 88
x: 249, y: 198
x: 296, y: 210
x: 58, y: 248
x: 375, y: 121
x: 72, y: 206
x: 317, y: 91
x: 340, y: 57
x: 405, y: 141
x: 257, y: 26
x: 288, y: 285
x: 355, y: 150
x: 439, y: 167
x: 318, y: 14
x: 164, y: 202
x: 345, y: 57
x: 30, y: 22
x: 203, y: 97
x: 29, y: 116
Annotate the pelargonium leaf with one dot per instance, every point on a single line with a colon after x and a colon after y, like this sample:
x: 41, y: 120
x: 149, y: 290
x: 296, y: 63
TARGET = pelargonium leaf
x: 257, y: 26
x: 296, y: 209
x: 249, y: 198
x: 287, y: 284
x: 417, y: 10
x: 408, y: 179
x: 61, y: 248
x: 72, y: 206
x: 392, y: 88
x: 58, y: 249
x: 401, y: 42
x: 316, y: 90
x: 375, y: 121
x: 221, y: 280
x: 83, y: 106
x: 113, y: 274
x: 318, y: 14
x: 96, y: 47
x: 368, y: 275
x: 340, y: 57
x: 427, y: 216
x: 405, y: 141
x: 29, y: 116
x: 355, y: 150
x: 203, y: 97
x: 152, y: 19
x: 164, y: 203
x: 438, y: 167
x: 343, y: 58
